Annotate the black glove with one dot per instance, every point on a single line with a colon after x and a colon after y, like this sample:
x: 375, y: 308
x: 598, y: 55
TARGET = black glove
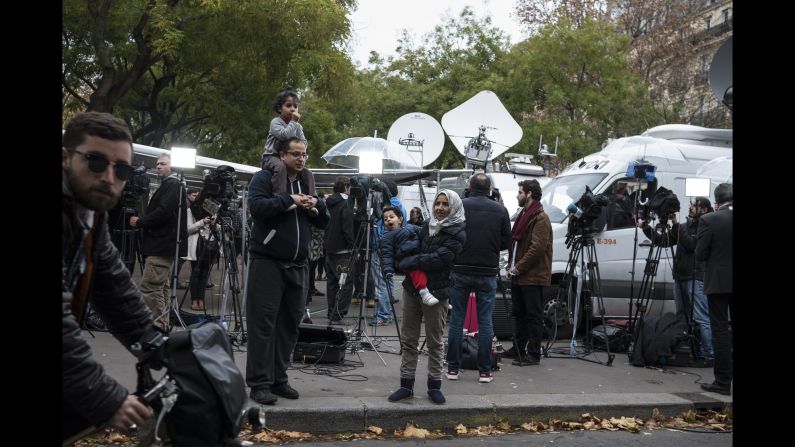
x: 388, y: 276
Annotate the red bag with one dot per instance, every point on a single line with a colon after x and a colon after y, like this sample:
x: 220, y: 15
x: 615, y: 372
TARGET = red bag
x: 471, y: 318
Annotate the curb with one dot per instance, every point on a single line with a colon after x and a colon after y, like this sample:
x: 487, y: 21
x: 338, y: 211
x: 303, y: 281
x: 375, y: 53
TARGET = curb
x: 321, y: 415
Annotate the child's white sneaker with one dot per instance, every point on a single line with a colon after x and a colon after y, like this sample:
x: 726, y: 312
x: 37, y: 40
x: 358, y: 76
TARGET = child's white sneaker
x: 427, y: 298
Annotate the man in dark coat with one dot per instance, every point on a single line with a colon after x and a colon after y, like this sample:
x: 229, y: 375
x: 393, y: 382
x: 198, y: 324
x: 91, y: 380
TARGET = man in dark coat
x: 96, y: 156
x: 278, y: 273
x: 476, y: 269
x: 339, y: 247
x: 714, y: 247
x: 160, y: 239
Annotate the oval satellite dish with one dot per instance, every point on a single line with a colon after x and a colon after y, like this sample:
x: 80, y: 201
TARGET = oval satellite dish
x: 420, y: 134
x: 481, y: 128
x: 720, y: 74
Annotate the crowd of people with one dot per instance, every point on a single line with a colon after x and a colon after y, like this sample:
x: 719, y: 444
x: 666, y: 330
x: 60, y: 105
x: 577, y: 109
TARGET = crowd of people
x: 447, y: 258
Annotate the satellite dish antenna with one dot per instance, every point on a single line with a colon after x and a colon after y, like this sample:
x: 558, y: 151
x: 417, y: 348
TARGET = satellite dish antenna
x: 720, y: 74
x: 481, y: 128
x: 420, y: 134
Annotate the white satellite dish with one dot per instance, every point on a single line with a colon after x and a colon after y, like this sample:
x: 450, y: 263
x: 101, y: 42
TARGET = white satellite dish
x: 481, y: 119
x: 420, y: 134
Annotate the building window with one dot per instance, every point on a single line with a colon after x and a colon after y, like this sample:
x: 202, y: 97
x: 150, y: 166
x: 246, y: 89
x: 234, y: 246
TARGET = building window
x: 726, y: 15
x: 707, y: 22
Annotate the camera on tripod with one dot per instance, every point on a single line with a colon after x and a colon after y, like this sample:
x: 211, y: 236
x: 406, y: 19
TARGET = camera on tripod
x: 664, y: 204
x: 584, y: 213
x: 361, y: 187
x: 135, y: 187
x: 219, y: 190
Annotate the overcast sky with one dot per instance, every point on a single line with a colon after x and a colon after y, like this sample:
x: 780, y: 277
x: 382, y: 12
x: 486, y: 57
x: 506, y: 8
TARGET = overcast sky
x: 377, y: 24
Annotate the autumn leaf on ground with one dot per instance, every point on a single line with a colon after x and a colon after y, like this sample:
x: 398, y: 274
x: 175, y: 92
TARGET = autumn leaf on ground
x: 503, y: 425
x: 265, y: 437
x: 530, y: 426
x: 374, y: 429
x: 689, y: 416
x: 412, y: 431
x: 460, y: 429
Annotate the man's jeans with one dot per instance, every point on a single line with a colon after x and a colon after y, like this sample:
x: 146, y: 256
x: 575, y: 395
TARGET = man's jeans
x: 682, y: 293
x: 383, y: 308
x: 485, y: 288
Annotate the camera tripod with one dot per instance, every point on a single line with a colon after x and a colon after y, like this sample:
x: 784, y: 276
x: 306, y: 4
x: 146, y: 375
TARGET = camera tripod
x: 230, y: 281
x: 660, y: 240
x: 582, y: 282
x: 172, y: 304
x: 128, y: 239
x: 362, y: 252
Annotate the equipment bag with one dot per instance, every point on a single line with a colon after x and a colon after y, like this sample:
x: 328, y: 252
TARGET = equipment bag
x: 212, y: 392
x: 657, y: 339
x: 617, y: 336
x: 469, y: 354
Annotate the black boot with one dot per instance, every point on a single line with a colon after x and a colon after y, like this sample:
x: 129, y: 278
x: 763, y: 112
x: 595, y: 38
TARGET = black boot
x: 406, y: 390
x: 510, y: 354
x: 522, y: 357
x: 435, y: 391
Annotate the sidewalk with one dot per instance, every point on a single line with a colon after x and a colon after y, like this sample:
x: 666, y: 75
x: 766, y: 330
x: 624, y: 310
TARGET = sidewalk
x: 351, y: 396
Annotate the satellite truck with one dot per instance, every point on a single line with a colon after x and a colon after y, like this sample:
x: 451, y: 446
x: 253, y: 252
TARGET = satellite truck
x: 676, y: 152
x: 688, y: 160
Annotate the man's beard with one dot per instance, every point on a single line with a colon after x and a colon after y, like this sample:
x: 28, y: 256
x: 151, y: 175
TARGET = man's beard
x: 96, y: 198
x: 523, y: 202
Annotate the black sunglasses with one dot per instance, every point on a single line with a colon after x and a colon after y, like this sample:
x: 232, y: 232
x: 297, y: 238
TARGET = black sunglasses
x: 97, y: 163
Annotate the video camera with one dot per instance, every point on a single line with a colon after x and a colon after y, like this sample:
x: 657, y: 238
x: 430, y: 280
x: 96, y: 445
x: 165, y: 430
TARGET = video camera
x: 361, y: 187
x: 218, y: 191
x: 584, y: 213
x: 135, y: 187
x: 663, y: 204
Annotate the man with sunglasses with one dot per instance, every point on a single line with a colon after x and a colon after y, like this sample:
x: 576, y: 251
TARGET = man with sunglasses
x: 159, y: 245
x: 278, y: 273
x: 96, y: 156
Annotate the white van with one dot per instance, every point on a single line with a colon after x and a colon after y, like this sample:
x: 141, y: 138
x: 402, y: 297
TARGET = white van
x: 677, y: 151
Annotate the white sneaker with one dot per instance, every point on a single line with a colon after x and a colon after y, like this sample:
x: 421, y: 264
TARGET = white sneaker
x: 427, y: 298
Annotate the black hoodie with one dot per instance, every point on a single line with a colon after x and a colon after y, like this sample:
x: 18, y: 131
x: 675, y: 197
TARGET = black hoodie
x: 339, y: 234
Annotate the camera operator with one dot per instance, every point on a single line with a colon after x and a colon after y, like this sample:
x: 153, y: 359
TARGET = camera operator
x: 200, y: 254
x: 687, y: 273
x: 96, y: 156
x: 160, y: 239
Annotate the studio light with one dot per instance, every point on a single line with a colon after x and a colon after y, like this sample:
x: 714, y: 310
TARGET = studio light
x: 370, y: 163
x: 183, y: 157
x: 697, y: 187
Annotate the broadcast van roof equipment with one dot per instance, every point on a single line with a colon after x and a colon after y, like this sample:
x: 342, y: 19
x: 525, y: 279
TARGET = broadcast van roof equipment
x: 481, y: 129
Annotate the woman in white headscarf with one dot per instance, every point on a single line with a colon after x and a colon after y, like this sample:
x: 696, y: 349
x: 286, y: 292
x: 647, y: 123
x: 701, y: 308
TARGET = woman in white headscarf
x: 441, y: 239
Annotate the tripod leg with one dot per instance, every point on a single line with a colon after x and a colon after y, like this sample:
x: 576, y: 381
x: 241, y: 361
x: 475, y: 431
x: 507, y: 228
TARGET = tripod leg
x: 389, y: 289
x: 595, y: 278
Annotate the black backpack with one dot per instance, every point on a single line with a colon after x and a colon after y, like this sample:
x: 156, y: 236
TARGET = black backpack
x: 210, y: 389
x: 659, y: 341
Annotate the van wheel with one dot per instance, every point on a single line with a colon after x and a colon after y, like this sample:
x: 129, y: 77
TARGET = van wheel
x: 555, y: 312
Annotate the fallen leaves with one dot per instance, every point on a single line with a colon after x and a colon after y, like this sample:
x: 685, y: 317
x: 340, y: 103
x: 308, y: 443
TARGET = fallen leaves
x: 689, y: 420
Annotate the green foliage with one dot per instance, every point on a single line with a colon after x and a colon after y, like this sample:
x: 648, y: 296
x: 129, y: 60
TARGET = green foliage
x: 201, y: 72
x: 575, y: 84
x: 205, y: 73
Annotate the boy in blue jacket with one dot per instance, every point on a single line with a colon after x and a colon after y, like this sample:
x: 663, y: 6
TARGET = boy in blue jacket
x: 398, y: 242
